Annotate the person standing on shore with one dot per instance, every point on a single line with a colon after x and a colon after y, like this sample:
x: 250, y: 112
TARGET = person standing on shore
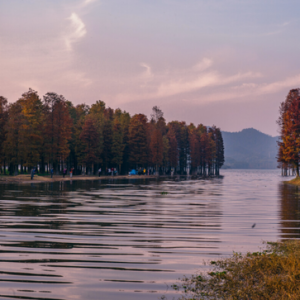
x: 51, y: 172
x: 71, y: 172
x: 99, y: 172
x: 32, y: 173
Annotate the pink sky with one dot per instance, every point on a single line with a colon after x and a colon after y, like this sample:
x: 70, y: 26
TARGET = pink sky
x: 228, y: 63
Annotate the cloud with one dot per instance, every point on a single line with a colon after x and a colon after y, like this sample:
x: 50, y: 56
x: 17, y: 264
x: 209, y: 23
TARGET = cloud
x: 203, y: 65
x: 255, y: 89
x: 184, y: 86
x: 87, y: 2
x: 195, y: 79
x: 288, y: 83
x: 200, y: 79
x: 148, y: 72
x: 77, y: 31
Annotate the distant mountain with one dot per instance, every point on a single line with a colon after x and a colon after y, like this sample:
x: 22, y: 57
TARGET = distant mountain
x: 249, y: 149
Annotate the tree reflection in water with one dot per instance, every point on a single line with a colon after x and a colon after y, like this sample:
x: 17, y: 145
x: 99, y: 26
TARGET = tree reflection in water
x: 290, y: 211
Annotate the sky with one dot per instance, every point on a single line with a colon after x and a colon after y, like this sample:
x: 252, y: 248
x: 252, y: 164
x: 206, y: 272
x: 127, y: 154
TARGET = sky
x: 228, y: 63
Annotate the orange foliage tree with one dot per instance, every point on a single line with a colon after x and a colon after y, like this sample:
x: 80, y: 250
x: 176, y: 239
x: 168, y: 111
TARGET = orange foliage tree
x: 289, y: 122
x: 58, y: 129
x: 3, y: 129
x: 55, y: 133
x: 137, y: 140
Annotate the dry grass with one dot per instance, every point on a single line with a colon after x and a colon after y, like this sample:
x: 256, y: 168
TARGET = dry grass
x: 271, y: 274
x: 295, y: 181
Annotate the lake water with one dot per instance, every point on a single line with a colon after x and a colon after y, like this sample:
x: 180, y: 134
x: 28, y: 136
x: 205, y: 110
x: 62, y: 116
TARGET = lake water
x: 132, y: 239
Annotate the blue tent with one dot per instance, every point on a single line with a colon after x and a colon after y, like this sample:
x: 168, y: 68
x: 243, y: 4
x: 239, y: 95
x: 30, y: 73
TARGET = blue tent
x: 132, y: 172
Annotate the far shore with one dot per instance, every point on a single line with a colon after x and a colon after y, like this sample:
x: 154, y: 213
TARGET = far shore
x: 25, y: 178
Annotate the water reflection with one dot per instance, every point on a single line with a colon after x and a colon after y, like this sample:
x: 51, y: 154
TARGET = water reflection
x: 290, y: 211
x: 107, y: 239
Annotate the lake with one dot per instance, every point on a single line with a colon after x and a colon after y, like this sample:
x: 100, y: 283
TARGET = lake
x: 132, y: 239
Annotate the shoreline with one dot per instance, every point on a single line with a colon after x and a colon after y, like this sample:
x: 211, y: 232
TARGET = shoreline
x: 26, y: 179
x: 294, y: 181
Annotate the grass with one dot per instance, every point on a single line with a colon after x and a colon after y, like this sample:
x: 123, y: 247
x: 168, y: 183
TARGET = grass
x: 273, y: 273
x: 295, y: 181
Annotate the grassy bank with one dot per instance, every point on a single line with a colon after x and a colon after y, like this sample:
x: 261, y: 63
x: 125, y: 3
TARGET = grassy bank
x: 273, y: 273
x: 295, y: 181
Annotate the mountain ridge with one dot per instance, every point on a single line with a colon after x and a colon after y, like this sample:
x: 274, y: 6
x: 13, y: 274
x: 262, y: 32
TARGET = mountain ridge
x: 250, y: 149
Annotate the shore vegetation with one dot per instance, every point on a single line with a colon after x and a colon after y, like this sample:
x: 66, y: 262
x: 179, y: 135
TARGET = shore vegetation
x: 273, y: 273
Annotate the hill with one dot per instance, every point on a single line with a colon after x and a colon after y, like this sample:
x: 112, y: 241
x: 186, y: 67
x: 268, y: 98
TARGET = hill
x: 249, y: 149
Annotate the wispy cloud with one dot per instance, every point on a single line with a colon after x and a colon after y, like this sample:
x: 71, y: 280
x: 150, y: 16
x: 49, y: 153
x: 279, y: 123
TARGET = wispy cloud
x: 198, y: 79
x: 288, y: 83
x: 87, y: 2
x: 77, y: 31
x: 255, y: 89
x: 203, y: 65
x: 148, y: 73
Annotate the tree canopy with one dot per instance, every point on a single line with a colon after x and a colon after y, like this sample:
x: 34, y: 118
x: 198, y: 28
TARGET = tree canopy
x: 50, y: 132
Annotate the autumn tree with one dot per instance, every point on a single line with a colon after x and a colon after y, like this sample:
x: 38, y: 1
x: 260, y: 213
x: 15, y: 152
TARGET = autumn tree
x: 58, y: 128
x: 289, y: 122
x: 11, y: 145
x: 123, y: 118
x: 219, y: 160
x: 107, y: 136
x: 173, y: 148
x: 211, y: 151
x: 117, y: 149
x: 31, y: 138
x: 97, y: 113
x: 3, y: 128
x: 57, y: 133
x: 195, y: 148
x: 89, y: 139
x: 157, y: 128
x: 182, y: 137
x: 157, y: 148
x: 166, y: 149
x: 76, y: 147
x: 137, y: 140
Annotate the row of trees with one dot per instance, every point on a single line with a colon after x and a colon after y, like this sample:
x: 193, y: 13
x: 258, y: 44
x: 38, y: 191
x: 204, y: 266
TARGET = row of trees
x: 52, y: 132
x: 289, y: 122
